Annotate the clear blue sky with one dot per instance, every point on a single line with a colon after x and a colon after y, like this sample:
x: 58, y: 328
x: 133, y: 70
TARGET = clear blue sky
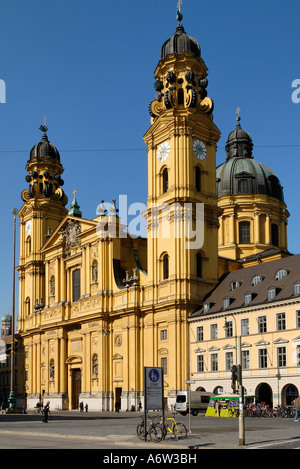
x: 89, y: 66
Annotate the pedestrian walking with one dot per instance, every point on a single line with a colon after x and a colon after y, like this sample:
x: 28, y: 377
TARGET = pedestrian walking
x: 81, y: 406
x: 297, y: 405
x: 46, y: 412
x: 117, y: 406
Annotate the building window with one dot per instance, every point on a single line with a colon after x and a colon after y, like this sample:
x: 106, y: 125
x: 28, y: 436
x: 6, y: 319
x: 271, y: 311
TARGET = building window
x: 243, y: 186
x: 200, y: 364
x: 165, y: 180
x: 262, y: 324
x: 274, y: 234
x: 165, y: 266
x: 164, y: 365
x: 280, y: 274
x: 245, y: 360
x: 244, y: 232
x: 200, y: 334
x: 280, y: 322
x: 228, y: 360
x: 213, y: 331
x: 297, y: 289
x: 206, y: 307
x: 163, y: 334
x: 298, y: 319
x: 248, y: 298
x: 263, y: 358
x: 214, y: 362
x: 76, y: 284
x: 271, y: 293
x: 227, y: 302
x: 245, y: 326
x: 229, y: 329
x: 256, y: 280
x: 281, y: 357
x: 298, y: 355
x: 234, y: 285
x: 198, y: 179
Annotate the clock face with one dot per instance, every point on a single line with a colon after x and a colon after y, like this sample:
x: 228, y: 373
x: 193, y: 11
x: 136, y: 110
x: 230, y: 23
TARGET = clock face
x: 199, y: 149
x: 163, y: 151
x: 28, y: 227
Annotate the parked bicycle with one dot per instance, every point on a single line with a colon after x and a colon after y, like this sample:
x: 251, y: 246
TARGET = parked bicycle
x: 174, y: 428
x: 154, y: 430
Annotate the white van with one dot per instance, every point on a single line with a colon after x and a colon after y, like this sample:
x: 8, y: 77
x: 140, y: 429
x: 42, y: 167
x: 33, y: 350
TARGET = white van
x: 199, y: 401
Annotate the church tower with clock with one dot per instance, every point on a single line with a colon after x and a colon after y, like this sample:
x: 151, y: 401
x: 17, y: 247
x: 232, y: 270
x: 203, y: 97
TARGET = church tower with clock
x: 181, y: 144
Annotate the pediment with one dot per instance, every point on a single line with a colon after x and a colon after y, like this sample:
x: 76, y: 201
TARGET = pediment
x: 213, y: 349
x: 261, y: 343
x: 280, y: 340
x: 68, y: 232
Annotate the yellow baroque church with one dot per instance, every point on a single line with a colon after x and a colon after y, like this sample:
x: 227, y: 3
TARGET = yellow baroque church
x: 97, y: 305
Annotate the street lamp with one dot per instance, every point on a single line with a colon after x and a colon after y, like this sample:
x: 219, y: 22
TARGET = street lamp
x: 241, y: 405
x: 12, y: 396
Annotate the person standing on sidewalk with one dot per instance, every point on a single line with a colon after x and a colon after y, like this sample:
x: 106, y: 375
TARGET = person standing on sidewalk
x: 46, y: 412
x: 297, y: 405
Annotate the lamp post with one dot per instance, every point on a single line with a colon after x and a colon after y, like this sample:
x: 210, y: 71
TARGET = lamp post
x: 12, y: 396
x: 241, y: 403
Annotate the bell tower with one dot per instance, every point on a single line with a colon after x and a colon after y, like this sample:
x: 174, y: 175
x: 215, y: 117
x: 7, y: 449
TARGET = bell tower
x: 182, y: 202
x: 42, y: 211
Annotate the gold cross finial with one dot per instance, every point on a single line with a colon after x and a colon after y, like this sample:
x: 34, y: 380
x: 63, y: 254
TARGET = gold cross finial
x: 74, y: 192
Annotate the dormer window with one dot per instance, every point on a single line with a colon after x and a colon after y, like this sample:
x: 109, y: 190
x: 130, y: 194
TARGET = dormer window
x: 280, y: 274
x: 248, y: 298
x: 271, y: 293
x: 256, y: 280
x: 227, y: 302
x: 297, y: 289
x: 234, y: 285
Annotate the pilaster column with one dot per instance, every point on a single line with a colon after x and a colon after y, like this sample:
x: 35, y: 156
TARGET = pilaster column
x: 268, y: 229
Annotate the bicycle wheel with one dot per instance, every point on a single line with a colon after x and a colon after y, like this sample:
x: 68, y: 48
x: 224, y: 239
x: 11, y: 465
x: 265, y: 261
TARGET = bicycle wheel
x: 140, y: 431
x: 156, y: 433
x: 180, y: 430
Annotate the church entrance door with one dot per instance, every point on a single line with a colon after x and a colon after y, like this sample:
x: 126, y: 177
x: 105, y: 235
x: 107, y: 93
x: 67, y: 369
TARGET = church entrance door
x: 76, y: 388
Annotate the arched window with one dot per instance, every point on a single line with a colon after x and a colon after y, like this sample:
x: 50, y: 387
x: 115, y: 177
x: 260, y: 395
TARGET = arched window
x: 198, y: 179
x: 165, y: 180
x: 165, y: 266
x: 76, y: 284
x: 28, y: 246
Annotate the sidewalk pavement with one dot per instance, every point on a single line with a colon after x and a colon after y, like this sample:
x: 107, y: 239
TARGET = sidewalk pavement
x: 120, y: 430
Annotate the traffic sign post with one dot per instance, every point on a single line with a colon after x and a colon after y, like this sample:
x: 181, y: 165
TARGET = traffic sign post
x: 153, y: 391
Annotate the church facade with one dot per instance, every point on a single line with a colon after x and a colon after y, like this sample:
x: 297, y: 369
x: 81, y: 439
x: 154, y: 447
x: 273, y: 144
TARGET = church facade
x: 96, y: 305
